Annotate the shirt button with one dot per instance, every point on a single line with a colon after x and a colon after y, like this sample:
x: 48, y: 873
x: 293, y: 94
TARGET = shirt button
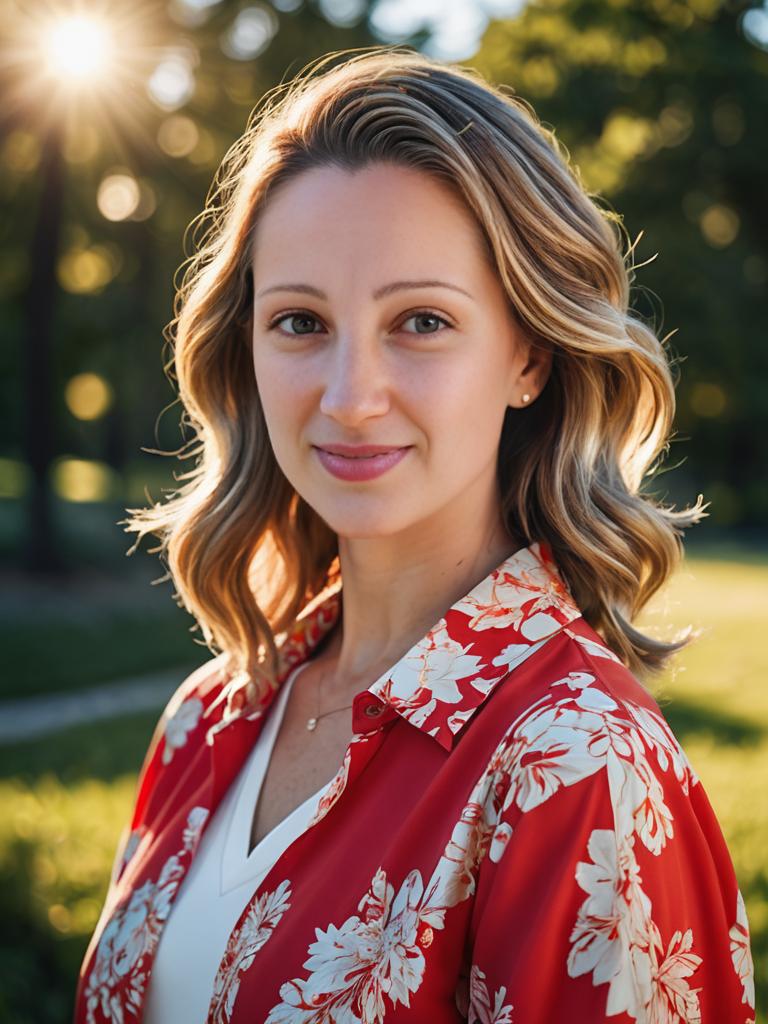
x: 373, y: 710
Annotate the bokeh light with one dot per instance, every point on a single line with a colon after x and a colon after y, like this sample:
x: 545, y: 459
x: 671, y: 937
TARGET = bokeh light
x: 83, y: 479
x: 719, y: 224
x: 191, y: 13
x: 121, y: 197
x: 342, y: 12
x: 626, y: 135
x: 172, y: 83
x: 178, y: 135
x: 708, y: 400
x: 251, y: 32
x: 674, y: 125
x: 88, y: 396
x: 87, y: 271
x: 754, y: 24
x: 118, y: 196
x: 147, y: 201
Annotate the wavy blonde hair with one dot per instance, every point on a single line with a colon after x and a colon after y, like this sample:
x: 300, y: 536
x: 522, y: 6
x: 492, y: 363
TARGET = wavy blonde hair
x: 246, y: 552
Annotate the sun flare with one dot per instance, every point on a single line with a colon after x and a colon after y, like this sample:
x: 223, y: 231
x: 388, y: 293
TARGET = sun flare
x: 78, y: 47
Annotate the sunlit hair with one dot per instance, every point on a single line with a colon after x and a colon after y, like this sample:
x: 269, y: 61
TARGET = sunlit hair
x: 245, y: 551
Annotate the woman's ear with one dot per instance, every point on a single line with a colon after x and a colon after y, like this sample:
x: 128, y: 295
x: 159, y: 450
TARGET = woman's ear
x: 529, y: 383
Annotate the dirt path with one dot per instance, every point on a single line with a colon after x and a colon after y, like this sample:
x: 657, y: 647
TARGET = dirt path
x: 41, y: 716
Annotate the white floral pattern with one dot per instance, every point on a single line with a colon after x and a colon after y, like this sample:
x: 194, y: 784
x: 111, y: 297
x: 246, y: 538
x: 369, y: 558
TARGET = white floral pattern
x: 561, y: 741
x: 116, y: 985
x: 368, y: 961
x: 441, y: 681
x: 741, y: 953
x: 244, y: 943
x: 372, y: 955
x: 617, y: 940
x: 592, y: 646
x: 376, y: 957
x: 179, y: 726
x: 480, y: 1001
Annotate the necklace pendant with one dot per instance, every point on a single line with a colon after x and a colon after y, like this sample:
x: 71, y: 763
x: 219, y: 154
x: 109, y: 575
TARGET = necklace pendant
x: 311, y: 723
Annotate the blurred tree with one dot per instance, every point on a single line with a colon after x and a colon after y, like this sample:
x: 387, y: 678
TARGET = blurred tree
x: 131, y: 160
x: 661, y: 105
x: 41, y: 552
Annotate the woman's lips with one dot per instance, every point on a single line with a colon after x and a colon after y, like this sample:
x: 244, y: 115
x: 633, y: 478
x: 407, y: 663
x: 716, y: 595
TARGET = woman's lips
x: 347, y: 467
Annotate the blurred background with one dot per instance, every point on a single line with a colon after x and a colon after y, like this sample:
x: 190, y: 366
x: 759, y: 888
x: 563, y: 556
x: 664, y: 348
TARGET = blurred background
x: 114, y: 118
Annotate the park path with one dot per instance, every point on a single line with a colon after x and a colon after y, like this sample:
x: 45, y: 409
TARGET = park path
x: 91, y: 596
x: 33, y: 717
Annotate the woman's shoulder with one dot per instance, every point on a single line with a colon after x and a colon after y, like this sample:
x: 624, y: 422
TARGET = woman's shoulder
x: 595, y: 813
x: 173, y: 741
x: 202, y: 683
x: 574, y: 720
x: 179, y: 731
x: 188, y: 709
x: 576, y: 685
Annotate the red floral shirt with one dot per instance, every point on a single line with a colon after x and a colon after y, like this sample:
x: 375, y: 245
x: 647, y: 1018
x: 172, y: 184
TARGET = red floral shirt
x: 514, y: 836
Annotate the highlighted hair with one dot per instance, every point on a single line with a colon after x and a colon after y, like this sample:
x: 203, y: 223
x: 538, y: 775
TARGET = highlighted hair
x: 245, y: 551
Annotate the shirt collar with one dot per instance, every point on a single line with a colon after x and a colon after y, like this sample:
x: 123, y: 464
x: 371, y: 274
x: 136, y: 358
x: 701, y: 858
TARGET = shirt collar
x: 445, y: 677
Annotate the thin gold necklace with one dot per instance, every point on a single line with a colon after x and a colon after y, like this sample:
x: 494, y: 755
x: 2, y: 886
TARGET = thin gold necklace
x: 312, y: 722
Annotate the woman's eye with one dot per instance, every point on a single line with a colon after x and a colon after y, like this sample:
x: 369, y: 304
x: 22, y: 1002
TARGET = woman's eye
x: 300, y: 321
x: 426, y: 315
x: 293, y: 317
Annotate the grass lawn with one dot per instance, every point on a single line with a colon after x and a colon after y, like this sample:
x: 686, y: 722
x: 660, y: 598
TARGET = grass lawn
x: 99, y: 649
x: 65, y: 799
x: 110, y: 616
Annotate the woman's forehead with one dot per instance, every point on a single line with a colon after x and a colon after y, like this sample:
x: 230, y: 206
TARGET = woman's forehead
x: 403, y: 226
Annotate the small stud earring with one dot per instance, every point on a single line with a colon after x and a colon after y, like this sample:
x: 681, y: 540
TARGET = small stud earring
x: 526, y: 397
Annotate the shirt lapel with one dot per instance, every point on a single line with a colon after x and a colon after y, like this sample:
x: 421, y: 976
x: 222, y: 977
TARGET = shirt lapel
x: 442, y: 680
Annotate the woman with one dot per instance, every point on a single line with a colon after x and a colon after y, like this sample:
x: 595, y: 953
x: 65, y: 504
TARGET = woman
x: 405, y: 348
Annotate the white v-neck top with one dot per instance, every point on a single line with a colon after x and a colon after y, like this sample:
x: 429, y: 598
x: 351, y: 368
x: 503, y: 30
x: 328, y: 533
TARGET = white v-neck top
x: 219, y: 883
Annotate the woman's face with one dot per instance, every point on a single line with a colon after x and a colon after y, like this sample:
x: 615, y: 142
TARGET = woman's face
x: 359, y: 340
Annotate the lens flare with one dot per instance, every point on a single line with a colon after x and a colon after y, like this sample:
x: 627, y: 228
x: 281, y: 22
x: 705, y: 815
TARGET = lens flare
x: 78, y: 48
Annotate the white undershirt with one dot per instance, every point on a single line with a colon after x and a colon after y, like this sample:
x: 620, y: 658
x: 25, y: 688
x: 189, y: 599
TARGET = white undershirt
x: 220, y: 881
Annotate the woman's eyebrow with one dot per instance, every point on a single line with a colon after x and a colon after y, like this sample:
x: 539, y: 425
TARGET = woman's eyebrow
x: 386, y: 289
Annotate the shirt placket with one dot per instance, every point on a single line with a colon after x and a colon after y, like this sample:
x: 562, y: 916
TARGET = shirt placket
x: 369, y: 717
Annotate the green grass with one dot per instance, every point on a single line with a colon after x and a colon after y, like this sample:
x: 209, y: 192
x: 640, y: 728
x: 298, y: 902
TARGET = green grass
x: 105, y: 750
x: 54, y: 657
x: 108, y: 617
x: 716, y: 701
x: 65, y: 799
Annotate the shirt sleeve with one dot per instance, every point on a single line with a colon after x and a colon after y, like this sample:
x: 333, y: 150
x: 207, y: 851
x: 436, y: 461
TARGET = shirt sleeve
x: 179, y: 726
x: 607, y: 892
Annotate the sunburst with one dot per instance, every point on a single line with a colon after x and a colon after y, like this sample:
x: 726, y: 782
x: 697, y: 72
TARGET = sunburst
x: 89, y: 60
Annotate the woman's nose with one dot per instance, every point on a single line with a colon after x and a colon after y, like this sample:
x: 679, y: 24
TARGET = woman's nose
x: 356, y: 383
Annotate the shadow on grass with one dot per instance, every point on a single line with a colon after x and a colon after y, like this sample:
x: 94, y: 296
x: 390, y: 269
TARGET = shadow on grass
x: 98, y: 750
x: 55, y: 657
x: 739, y: 548
x: 689, y: 720
x: 38, y: 968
